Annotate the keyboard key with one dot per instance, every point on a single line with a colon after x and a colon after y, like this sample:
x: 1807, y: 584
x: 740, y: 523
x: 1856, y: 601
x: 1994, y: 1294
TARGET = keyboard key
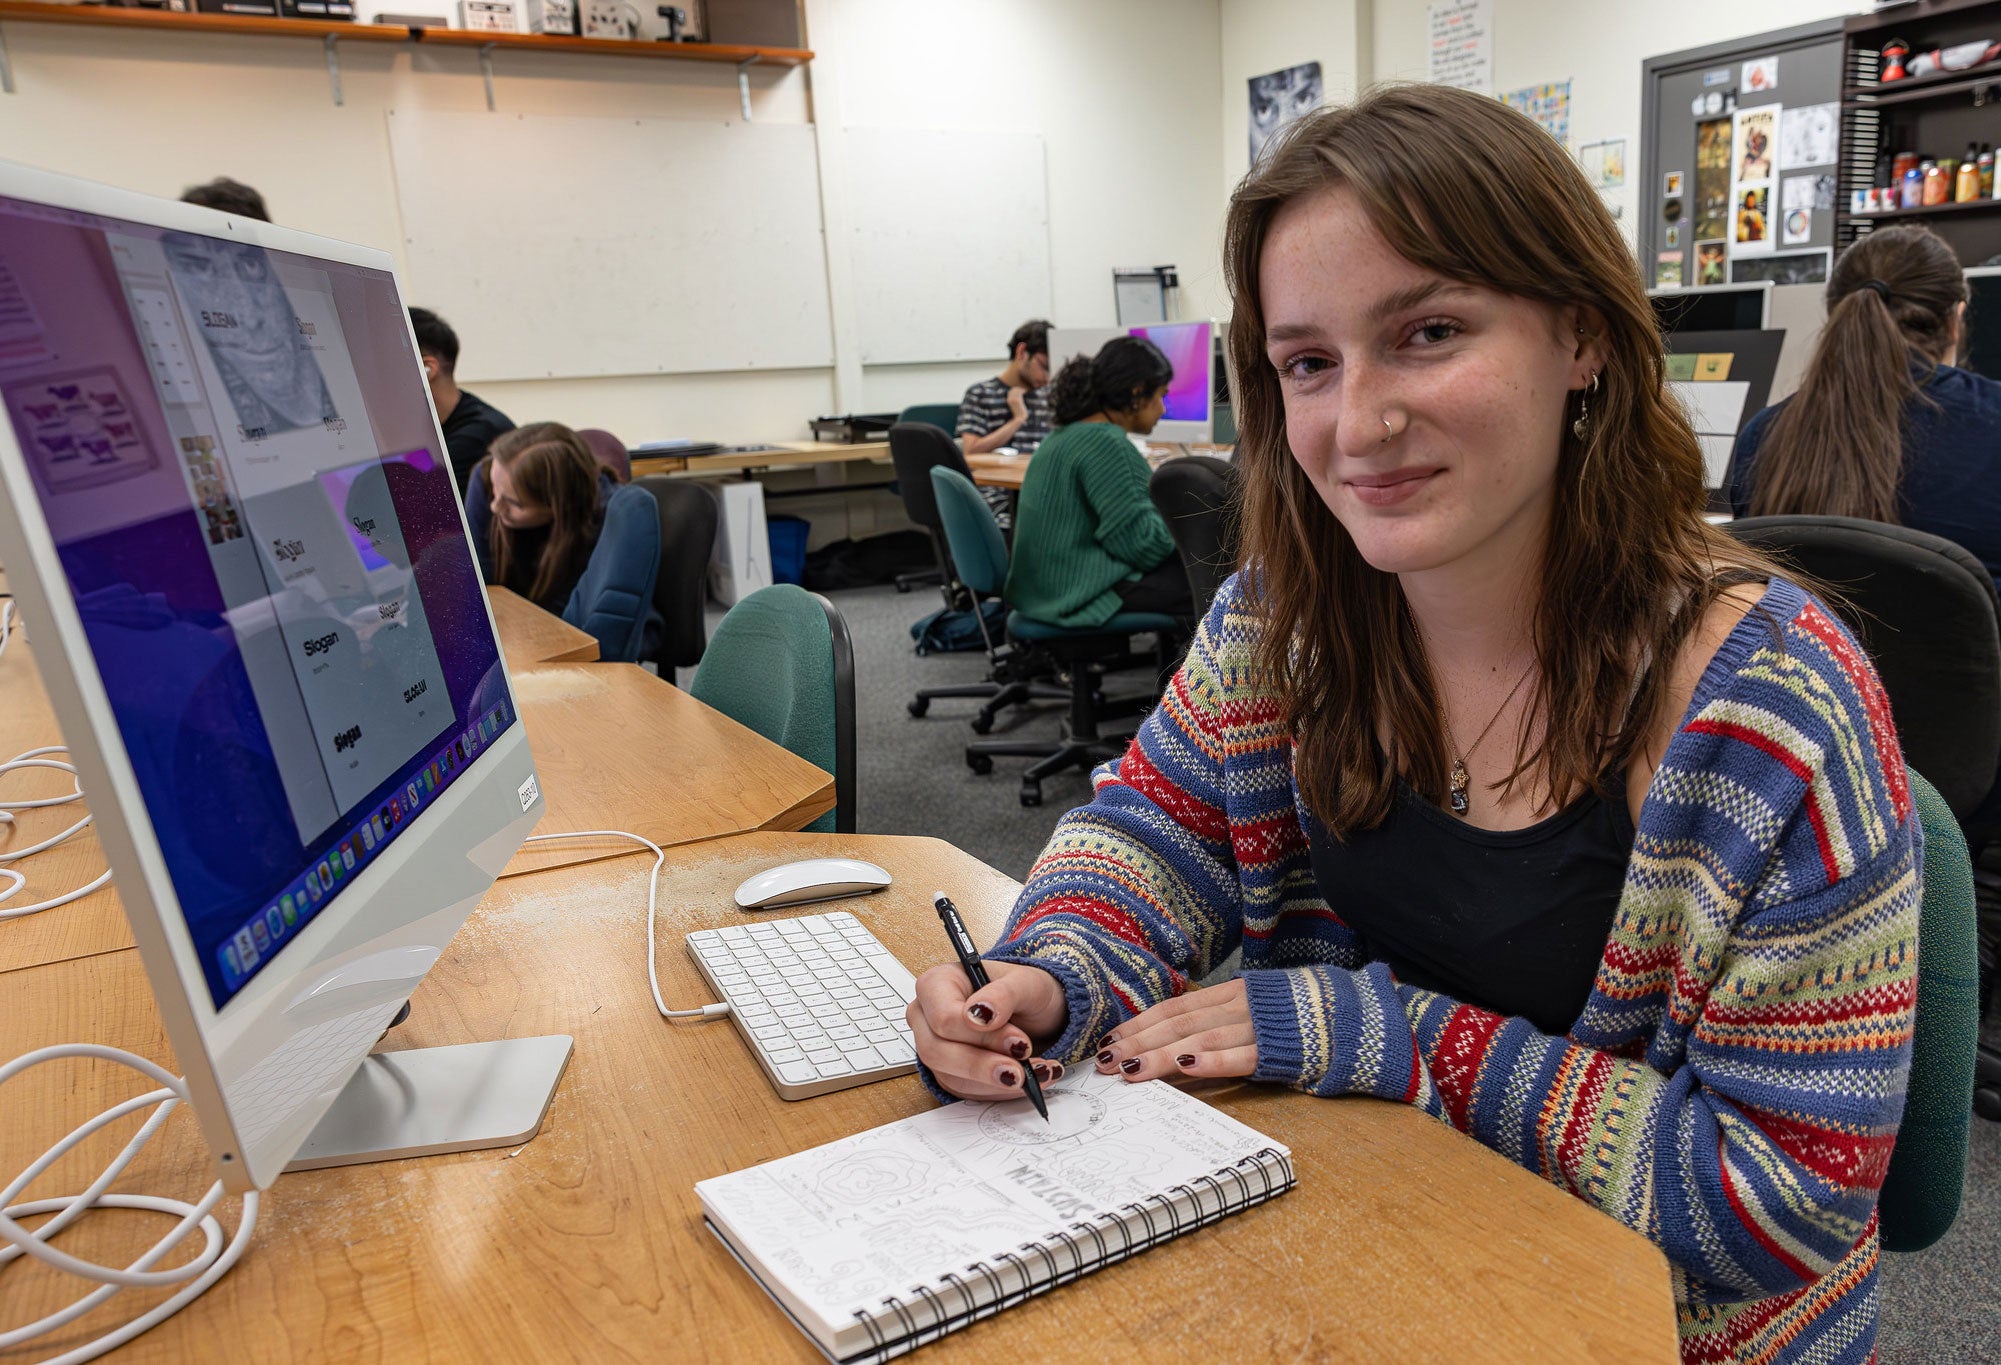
x: 797, y: 1073
x: 896, y: 1054
x: 829, y: 1070
x: 865, y: 1059
x: 780, y: 1056
x: 821, y: 1056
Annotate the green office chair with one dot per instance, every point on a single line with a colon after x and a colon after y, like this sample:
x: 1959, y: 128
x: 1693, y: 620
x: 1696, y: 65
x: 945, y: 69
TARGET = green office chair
x: 944, y: 416
x: 1920, y: 1196
x: 979, y: 552
x: 782, y: 664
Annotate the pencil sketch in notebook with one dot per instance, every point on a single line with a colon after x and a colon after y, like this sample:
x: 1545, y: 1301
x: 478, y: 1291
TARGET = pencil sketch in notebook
x: 867, y: 1217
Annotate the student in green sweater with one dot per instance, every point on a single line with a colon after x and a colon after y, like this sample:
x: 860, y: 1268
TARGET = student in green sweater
x: 1088, y: 543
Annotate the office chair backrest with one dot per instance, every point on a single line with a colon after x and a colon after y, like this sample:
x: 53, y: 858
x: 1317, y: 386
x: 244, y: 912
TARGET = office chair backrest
x: 943, y: 416
x: 614, y: 599
x: 916, y: 448
x: 1921, y: 1191
x: 687, y: 543
x: 781, y: 664
x: 1926, y: 611
x: 971, y: 533
x: 1196, y: 495
x: 610, y: 451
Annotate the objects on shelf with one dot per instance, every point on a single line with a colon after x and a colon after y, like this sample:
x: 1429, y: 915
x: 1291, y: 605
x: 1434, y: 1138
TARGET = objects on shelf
x: 1914, y: 181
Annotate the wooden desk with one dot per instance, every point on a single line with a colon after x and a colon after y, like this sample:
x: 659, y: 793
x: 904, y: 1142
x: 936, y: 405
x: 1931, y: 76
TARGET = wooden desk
x: 787, y: 454
x: 530, y: 635
x: 615, y: 748
x: 998, y: 471
x: 1403, y: 1240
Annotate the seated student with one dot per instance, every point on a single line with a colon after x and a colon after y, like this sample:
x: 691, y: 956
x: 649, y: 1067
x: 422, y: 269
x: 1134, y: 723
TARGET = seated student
x: 229, y: 196
x: 542, y: 511
x: 1531, y: 799
x: 1013, y: 408
x: 1088, y: 541
x: 1884, y: 426
x: 470, y: 423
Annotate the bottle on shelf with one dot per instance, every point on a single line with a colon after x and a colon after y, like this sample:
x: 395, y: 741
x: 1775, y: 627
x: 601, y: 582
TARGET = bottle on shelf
x: 1937, y: 185
x: 1986, y: 171
x: 1913, y: 188
x: 1966, y: 185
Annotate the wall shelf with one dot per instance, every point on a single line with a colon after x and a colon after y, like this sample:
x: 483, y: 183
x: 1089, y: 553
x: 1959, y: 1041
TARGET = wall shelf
x: 104, y: 16
x: 1942, y: 86
x: 1928, y: 211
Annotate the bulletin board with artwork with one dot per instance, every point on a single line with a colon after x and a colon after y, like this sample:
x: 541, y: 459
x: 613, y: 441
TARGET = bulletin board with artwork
x: 1738, y: 152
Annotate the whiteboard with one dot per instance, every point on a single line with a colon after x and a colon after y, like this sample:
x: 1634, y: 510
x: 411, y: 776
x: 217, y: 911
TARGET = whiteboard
x: 941, y: 275
x: 565, y: 247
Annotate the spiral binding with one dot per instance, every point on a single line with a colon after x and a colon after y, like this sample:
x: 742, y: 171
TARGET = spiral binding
x: 1112, y: 1237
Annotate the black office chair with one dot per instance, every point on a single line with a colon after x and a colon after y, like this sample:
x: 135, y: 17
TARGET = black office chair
x: 1927, y: 612
x: 916, y: 448
x: 680, y: 594
x: 1196, y: 495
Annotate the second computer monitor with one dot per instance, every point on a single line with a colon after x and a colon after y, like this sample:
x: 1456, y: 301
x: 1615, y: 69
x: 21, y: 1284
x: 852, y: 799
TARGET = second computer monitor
x: 1189, y: 347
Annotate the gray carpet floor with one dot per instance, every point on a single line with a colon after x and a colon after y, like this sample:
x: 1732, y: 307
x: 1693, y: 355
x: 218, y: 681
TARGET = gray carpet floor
x: 1938, y: 1305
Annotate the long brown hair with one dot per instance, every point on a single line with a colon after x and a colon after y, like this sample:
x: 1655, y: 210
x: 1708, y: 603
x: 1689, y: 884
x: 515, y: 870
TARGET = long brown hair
x: 1462, y: 185
x: 1837, y: 448
x: 549, y: 466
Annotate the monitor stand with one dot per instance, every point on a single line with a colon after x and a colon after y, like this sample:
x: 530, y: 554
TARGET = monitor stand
x: 427, y: 1100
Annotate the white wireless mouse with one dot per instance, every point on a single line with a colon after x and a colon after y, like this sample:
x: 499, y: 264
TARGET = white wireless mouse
x: 816, y: 879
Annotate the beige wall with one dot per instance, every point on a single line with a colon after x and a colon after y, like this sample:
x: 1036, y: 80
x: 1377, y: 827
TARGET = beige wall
x: 1123, y: 91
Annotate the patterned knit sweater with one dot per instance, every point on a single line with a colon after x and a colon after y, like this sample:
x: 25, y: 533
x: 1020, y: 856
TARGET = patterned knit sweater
x: 1733, y: 1087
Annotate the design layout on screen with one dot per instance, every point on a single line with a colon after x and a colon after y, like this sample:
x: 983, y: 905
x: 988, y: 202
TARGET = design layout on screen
x: 235, y: 458
x: 1186, y: 346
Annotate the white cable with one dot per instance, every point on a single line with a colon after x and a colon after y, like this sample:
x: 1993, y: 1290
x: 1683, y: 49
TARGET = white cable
x: 715, y: 1011
x: 37, y: 758
x: 195, y: 1276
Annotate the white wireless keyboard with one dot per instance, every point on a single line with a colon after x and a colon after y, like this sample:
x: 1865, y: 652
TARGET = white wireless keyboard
x: 818, y: 998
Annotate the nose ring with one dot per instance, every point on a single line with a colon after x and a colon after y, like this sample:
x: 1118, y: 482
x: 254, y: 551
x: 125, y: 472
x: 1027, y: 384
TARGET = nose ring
x: 1389, y: 432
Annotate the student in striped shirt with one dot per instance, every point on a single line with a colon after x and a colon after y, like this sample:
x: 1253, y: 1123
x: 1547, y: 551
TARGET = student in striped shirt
x: 1530, y: 799
x: 1012, y: 409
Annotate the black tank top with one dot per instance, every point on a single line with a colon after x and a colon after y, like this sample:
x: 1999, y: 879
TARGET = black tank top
x: 1512, y: 921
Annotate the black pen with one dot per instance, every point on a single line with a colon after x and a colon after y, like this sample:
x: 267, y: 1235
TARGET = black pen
x: 976, y: 972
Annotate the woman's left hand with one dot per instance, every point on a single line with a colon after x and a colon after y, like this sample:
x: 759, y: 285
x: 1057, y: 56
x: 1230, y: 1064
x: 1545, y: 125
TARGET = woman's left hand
x: 1203, y: 1033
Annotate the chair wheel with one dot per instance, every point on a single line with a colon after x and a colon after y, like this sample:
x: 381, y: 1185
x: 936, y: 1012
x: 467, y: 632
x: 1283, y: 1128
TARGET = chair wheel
x: 982, y: 723
x: 1031, y: 792
x: 903, y: 587
x: 980, y: 763
x: 919, y: 706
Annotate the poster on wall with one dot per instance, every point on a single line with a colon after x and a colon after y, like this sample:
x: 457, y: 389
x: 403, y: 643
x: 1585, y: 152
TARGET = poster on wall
x: 1462, y: 45
x: 1799, y: 198
x: 1604, y: 163
x: 1711, y: 263
x: 1667, y: 270
x: 1760, y: 76
x: 1753, y: 145
x: 1280, y: 99
x: 1548, y: 104
x: 1809, y: 136
x: 1712, y: 179
x: 1797, y: 267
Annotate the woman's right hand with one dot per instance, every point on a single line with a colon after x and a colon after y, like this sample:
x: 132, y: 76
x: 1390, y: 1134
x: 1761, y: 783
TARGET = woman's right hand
x: 977, y: 1043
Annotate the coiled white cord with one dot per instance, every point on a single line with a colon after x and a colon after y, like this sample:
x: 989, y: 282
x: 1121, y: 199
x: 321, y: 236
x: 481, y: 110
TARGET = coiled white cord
x: 195, y: 1276
x: 38, y: 758
x: 716, y: 1011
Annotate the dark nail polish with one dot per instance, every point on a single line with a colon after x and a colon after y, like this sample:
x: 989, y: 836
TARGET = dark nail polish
x: 1008, y: 1077
x: 1106, y: 1058
x: 1018, y: 1049
x: 1185, y: 1059
x: 1129, y: 1065
x: 981, y: 1013
x: 1042, y: 1071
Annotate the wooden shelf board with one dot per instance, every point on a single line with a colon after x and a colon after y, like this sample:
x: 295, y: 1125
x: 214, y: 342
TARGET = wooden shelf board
x: 1941, y: 86
x: 104, y: 16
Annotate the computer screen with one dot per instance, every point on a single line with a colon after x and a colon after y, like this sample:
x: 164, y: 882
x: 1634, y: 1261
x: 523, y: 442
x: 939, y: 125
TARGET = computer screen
x: 1982, y: 348
x: 234, y: 456
x: 1718, y: 308
x: 1189, y: 349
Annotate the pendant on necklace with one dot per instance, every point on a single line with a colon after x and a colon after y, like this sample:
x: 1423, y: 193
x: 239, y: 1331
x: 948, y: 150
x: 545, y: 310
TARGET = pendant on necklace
x: 1461, y: 803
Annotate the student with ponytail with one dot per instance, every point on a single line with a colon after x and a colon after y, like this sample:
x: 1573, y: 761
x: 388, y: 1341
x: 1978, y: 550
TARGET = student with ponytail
x: 1884, y: 426
x: 1088, y: 542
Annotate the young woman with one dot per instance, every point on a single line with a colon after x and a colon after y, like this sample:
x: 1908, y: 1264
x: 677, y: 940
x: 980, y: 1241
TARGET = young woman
x: 1530, y: 799
x: 542, y: 509
x: 1883, y: 425
x: 1088, y: 542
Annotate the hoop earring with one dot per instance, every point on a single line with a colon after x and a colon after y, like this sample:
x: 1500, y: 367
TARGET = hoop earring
x: 1581, y: 425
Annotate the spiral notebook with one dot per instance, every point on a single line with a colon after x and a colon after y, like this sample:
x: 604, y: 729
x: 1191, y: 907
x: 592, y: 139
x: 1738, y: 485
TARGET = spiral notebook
x: 881, y: 1242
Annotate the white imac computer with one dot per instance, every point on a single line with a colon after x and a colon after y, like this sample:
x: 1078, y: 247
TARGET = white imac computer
x: 1190, y: 348
x: 226, y: 509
